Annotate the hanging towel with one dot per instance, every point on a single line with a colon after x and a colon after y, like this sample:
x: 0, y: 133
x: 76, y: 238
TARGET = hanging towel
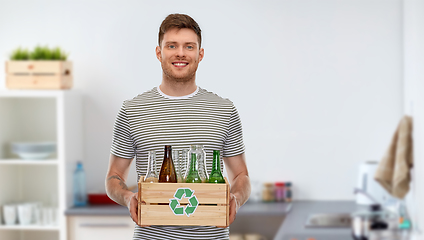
x: 393, y: 171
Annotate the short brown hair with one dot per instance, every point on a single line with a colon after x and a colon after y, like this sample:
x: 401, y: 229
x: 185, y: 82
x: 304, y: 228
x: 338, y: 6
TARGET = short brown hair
x: 179, y: 21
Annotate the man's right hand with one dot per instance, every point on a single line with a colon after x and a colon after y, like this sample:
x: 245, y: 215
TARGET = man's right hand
x: 116, y: 186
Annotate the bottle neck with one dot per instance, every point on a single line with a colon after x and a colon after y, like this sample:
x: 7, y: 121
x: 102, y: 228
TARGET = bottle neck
x: 193, y: 162
x: 216, y: 164
x: 151, y: 165
x: 168, y: 152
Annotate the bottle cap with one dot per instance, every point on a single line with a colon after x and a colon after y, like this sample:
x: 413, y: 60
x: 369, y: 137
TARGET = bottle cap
x: 279, y: 184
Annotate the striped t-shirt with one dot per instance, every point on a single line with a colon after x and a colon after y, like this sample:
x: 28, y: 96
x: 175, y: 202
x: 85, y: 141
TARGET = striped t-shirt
x: 152, y: 120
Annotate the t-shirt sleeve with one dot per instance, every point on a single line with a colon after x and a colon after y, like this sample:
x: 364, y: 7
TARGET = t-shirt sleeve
x: 122, y: 142
x: 234, y: 144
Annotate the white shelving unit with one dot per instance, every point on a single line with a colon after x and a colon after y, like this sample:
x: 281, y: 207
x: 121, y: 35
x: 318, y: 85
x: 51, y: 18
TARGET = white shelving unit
x: 36, y: 115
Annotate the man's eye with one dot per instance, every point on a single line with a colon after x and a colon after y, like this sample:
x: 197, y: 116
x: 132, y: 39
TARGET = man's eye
x: 190, y: 47
x: 171, y: 46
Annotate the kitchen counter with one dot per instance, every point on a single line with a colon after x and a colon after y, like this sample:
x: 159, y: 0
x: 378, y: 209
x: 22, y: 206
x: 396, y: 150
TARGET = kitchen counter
x: 294, y: 224
x: 259, y: 208
x: 295, y: 215
x: 98, y: 210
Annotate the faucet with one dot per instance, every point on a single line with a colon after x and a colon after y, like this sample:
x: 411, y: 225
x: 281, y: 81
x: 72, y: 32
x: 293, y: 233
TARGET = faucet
x: 357, y: 190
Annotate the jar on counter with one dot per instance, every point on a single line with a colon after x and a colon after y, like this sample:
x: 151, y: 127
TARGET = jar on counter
x: 279, y: 192
x: 268, y: 192
x: 288, y: 192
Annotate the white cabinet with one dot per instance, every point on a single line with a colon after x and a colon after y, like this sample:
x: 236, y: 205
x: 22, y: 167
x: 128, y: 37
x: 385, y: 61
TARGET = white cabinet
x: 100, y: 227
x: 30, y: 116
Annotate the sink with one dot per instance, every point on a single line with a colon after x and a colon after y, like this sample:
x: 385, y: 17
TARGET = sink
x: 329, y: 220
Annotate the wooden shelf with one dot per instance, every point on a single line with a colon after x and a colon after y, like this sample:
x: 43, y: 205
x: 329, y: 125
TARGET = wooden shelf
x: 32, y: 93
x: 30, y: 227
x: 39, y: 115
x: 17, y: 161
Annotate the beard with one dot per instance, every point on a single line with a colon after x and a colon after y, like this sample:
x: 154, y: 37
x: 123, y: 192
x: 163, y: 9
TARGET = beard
x: 181, y: 78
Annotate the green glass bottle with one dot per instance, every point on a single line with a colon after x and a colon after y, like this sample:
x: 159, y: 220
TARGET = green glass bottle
x: 216, y: 175
x: 193, y: 172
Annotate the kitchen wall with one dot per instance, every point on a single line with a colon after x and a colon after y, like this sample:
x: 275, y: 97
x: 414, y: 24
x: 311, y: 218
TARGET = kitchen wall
x: 318, y: 84
x: 413, y: 12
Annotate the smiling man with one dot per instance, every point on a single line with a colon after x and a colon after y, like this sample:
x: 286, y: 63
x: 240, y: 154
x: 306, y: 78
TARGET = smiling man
x: 177, y: 113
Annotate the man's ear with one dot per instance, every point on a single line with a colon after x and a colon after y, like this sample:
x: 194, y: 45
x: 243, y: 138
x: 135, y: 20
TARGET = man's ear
x: 201, y: 54
x: 158, y: 54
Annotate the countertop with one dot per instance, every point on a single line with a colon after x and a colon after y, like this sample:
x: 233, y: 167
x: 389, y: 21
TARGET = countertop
x: 98, y: 210
x: 294, y: 224
x: 295, y: 214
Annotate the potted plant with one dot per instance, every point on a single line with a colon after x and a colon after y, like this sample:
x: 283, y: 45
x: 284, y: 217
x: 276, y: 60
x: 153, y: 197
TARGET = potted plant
x: 42, y: 68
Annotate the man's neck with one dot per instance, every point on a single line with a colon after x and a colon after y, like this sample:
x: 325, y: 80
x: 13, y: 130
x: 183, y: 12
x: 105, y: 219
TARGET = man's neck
x: 177, y: 89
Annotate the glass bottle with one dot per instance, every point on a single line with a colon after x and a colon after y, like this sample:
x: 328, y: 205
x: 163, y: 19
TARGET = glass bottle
x: 189, y: 152
x: 151, y: 175
x: 80, y: 192
x: 184, y: 162
x: 167, y: 171
x: 216, y: 175
x: 202, y: 163
x: 177, y: 164
x: 192, y: 175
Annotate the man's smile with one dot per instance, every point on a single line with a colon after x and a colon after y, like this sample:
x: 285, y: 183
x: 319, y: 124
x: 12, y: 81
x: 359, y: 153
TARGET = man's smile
x: 180, y: 64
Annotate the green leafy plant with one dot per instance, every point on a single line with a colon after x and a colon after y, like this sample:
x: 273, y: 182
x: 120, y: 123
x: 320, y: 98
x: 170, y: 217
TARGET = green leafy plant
x: 20, y: 54
x: 39, y: 53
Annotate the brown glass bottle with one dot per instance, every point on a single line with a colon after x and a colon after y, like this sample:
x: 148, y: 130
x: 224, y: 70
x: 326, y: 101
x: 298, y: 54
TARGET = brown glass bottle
x: 167, y: 171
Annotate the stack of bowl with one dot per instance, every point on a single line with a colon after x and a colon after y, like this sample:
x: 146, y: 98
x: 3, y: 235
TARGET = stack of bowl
x: 33, y: 150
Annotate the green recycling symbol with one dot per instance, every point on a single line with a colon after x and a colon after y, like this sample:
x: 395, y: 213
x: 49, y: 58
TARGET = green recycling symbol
x: 174, y: 203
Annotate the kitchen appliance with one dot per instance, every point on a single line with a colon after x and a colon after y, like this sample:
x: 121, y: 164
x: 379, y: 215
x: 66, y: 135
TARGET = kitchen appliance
x: 376, y: 223
x: 367, y: 184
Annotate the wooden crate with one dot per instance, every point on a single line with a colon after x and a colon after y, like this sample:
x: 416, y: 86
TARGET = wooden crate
x: 39, y: 75
x: 155, y: 207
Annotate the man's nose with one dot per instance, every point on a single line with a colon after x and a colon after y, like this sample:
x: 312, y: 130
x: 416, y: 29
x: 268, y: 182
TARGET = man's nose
x: 180, y: 52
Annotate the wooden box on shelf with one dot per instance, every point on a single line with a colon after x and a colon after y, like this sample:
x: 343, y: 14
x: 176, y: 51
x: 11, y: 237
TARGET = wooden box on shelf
x: 183, y: 204
x: 39, y: 75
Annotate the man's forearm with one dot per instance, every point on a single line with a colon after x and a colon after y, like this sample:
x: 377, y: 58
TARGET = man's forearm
x: 117, y: 190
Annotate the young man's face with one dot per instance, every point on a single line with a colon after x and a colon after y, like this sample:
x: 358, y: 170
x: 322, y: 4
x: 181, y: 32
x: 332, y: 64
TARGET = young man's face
x: 179, y: 54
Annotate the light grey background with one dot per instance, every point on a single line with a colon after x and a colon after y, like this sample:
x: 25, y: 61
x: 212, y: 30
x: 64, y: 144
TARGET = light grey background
x: 318, y: 84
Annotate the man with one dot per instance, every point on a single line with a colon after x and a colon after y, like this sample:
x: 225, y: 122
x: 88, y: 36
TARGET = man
x: 177, y: 113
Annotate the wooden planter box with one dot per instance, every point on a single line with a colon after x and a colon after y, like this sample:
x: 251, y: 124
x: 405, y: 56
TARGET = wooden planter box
x: 38, y: 75
x: 159, y: 204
